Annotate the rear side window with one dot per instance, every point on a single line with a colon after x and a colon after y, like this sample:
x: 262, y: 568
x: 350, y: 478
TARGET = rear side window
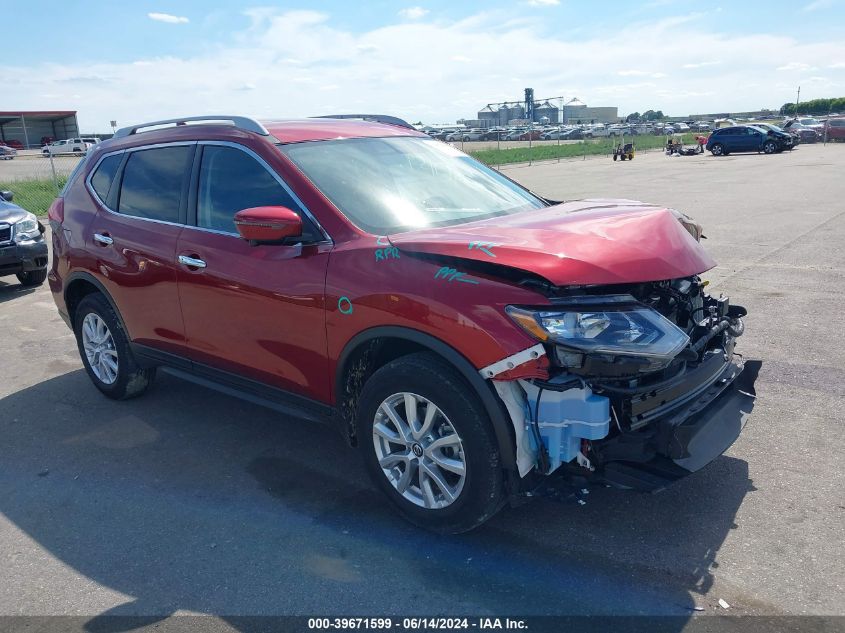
x: 152, y: 183
x: 836, y: 123
x: 104, y: 175
x: 231, y: 180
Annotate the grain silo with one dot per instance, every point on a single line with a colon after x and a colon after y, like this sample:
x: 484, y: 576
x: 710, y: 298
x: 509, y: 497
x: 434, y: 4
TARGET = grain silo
x: 546, y: 109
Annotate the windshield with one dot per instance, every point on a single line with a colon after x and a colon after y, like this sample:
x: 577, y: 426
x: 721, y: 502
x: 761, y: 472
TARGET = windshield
x: 390, y: 185
x: 809, y: 121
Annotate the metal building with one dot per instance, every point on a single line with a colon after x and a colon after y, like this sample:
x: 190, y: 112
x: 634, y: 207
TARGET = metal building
x: 29, y: 128
x: 576, y: 111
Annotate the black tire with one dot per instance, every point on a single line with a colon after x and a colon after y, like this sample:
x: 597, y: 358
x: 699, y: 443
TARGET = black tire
x: 32, y: 277
x: 132, y: 380
x: 717, y: 149
x: 425, y: 374
x: 769, y: 147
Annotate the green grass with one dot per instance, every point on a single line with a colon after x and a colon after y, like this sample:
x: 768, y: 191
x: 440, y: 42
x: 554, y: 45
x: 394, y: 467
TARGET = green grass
x: 34, y: 195
x: 549, y: 150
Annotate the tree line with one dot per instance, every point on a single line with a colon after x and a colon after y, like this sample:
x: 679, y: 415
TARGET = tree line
x: 648, y: 115
x: 815, y: 106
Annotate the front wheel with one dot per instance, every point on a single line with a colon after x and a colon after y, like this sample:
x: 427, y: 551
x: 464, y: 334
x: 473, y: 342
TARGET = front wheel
x: 32, y: 277
x: 428, y: 444
x: 104, y: 348
x: 769, y: 147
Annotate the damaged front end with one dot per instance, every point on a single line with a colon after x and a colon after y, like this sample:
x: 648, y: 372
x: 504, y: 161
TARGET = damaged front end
x: 644, y: 386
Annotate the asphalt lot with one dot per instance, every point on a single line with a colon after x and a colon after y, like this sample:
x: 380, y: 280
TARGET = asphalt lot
x: 34, y: 166
x: 188, y: 501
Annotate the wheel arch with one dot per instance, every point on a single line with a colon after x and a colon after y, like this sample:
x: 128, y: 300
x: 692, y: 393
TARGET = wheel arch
x: 373, y: 348
x: 79, y: 285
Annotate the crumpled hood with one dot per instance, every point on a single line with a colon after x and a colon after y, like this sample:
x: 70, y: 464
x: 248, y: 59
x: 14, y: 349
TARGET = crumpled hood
x: 10, y: 212
x: 598, y: 241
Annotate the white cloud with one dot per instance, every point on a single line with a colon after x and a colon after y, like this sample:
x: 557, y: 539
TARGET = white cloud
x: 293, y: 63
x: 816, y: 5
x: 166, y: 17
x: 795, y: 66
x: 836, y: 65
x: 640, y: 73
x: 543, y: 3
x: 413, y: 13
x: 701, y: 64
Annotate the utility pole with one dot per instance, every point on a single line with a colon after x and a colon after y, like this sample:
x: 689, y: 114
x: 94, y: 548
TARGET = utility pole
x: 797, y: 100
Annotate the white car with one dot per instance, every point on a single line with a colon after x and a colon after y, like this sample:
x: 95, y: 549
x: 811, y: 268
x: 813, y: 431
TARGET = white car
x: 596, y: 131
x: 475, y: 134
x: 66, y: 146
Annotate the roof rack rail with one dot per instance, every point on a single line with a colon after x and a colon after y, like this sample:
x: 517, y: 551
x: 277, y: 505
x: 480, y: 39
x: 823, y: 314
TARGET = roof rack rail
x: 240, y: 122
x: 377, y: 118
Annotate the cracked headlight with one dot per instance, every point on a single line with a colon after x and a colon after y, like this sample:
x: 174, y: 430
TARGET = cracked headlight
x: 27, y: 229
x: 615, y: 331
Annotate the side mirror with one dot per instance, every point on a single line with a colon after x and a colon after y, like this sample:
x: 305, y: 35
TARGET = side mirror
x: 7, y: 195
x: 268, y: 225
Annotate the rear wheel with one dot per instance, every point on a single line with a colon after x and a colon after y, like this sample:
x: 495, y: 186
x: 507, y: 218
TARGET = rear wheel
x: 717, y: 149
x: 428, y: 445
x: 104, y: 348
x: 32, y: 277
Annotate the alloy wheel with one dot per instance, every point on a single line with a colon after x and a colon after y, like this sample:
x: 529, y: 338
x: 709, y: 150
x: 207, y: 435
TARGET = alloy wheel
x: 98, y: 344
x: 419, y: 450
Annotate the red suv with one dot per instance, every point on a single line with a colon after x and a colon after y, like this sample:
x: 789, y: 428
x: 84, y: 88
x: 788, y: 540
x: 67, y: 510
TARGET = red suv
x: 474, y: 340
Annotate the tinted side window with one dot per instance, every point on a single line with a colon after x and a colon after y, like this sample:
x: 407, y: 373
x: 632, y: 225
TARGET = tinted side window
x: 103, y: 177
x: 231, y: 180
x: 152, y: 183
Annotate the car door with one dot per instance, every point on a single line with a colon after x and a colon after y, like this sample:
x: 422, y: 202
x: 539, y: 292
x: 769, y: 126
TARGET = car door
x: 254, y: 312
x: 142, y: 195
x: 751, y: 140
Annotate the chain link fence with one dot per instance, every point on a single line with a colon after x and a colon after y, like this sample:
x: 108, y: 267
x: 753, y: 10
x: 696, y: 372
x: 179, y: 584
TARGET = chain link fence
x: 36, y: 179
x: 502, y: 152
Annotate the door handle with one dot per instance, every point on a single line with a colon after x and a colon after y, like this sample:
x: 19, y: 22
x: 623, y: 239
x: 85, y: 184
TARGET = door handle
x: 103, y: 239
x: 191, y: 262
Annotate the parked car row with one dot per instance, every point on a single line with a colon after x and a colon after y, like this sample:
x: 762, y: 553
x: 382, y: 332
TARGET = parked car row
x: 79, y: 145
x: 801, y: 129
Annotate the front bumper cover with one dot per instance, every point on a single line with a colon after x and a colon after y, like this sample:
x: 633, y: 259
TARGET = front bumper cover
x: 687, y: 439
x: 25, y: 257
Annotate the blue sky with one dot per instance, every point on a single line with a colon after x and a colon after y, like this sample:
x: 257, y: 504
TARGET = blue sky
x: 429, y: 60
